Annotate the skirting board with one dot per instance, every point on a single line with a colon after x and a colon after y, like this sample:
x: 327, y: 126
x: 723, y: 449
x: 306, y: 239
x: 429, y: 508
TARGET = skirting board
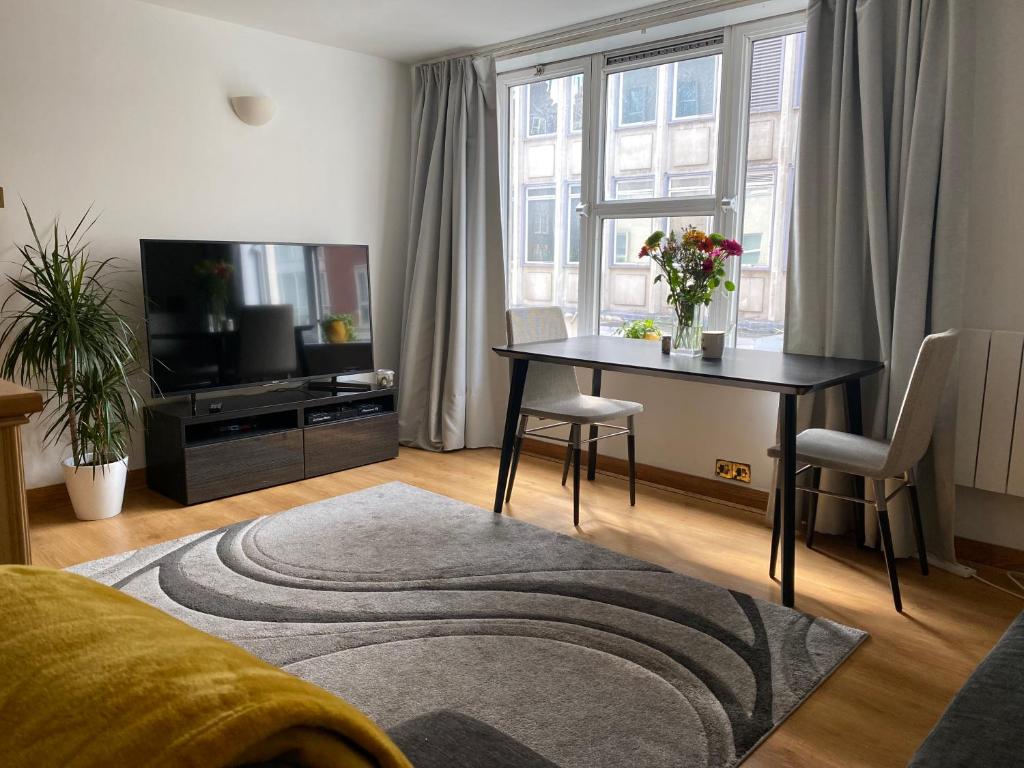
x: 739, y: 495
x: 995, y: 555
x: 50, y: 495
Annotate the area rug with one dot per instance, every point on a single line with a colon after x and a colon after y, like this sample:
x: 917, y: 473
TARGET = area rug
x: 478, y: 640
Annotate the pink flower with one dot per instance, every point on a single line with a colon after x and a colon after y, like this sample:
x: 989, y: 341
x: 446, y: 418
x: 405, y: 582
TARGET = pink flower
x: 644, y: 250
x: 708, y: 265
x: 732, y: 248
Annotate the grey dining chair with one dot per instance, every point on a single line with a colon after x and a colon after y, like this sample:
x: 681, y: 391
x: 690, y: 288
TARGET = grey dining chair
x: 553, y: 394
x: 878, y: 460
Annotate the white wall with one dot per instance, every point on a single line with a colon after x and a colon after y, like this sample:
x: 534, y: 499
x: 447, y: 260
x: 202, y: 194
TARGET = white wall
x: 686, y: 427
x: 994, y: 281
x: 124, y: 105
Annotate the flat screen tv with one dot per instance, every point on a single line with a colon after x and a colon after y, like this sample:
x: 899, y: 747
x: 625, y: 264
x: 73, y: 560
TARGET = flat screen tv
x: 222, y: 315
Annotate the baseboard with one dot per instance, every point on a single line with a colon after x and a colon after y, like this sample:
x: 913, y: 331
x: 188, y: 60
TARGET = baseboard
x: 739, y: 495
x: 983, y: 553
x: 52, y: 495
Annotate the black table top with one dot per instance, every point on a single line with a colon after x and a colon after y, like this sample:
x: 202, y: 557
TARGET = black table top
x: 746, y: 368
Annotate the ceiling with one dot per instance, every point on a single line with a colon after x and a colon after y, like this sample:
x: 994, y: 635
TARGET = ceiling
x: 405, y: 30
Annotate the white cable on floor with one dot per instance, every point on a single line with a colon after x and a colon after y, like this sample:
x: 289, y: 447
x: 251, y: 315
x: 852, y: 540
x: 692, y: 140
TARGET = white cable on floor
x: 1013, y: 577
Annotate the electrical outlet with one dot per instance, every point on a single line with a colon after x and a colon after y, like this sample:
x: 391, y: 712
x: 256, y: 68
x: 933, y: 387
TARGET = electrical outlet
x: 732, y: 470
x: 726, y: 469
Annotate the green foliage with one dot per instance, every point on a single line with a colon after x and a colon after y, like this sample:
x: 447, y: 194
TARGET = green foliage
x: 637, y: 329
x: 63, y: 335
x: 692, y: 267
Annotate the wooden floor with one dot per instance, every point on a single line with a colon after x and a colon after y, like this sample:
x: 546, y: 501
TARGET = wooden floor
x: 873, y: 711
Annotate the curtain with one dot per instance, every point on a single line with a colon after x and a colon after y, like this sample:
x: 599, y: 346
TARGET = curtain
x: 452, y: 386
x: 881, y: 222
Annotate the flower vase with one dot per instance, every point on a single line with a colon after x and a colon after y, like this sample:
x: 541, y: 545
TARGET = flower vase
x: 689, y: 327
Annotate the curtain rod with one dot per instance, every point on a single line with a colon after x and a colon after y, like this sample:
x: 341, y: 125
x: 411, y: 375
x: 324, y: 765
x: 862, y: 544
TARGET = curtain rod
x: 649, y: 16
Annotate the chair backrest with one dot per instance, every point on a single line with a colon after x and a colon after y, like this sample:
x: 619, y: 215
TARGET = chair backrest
x: 544, y: 381
x: 916, y: 421
x: 266, y: 342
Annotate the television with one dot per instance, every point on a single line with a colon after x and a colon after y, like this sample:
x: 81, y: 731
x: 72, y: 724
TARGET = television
x: 226, y: 314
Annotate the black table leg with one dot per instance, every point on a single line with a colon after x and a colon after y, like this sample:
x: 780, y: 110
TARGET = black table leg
x: 595, y: 390
x: 515, y: 401
x: 788, y: 497
x: 855, y: 426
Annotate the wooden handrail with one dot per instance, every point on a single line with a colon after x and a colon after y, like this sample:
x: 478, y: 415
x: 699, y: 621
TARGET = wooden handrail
x: 17, y: 404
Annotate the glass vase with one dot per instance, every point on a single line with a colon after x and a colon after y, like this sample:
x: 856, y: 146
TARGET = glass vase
x: 689, y: 327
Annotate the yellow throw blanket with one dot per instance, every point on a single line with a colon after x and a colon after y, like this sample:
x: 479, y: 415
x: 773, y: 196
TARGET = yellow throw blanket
x: 92, y: 677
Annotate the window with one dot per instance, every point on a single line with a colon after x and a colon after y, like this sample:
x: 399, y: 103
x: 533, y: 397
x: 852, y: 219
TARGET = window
x: 572, y: 251
x: 363, y: 297
x: 540, y: 225
x: 659, y: 145
x: 543, y: 114
x: 576, y: 102
x: 659, y: 159
x: 690, y: 185
x: 696, y: 84
x: 751, y: 243
x: 798, y: 69
x: 766, y: 75
x: 772, y: 137
x: 638, y: 99
x: 628, y: 235
x: 628, y: 290
x: 545, y: 241
x: 758, y: 216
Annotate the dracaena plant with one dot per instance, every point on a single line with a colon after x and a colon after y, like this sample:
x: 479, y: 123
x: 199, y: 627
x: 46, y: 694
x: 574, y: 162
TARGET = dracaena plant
x: 63, y: 334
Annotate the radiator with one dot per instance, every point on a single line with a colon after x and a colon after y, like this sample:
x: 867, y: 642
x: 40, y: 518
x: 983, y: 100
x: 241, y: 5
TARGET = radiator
x: 990, y: 425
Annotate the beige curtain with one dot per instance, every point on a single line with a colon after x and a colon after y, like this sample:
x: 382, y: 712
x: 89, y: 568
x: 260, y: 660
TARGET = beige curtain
x: 881, y: 219
x: 452, y: 387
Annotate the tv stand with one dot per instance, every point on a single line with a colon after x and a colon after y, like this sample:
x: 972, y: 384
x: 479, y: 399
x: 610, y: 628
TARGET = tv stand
x: 264, y: 439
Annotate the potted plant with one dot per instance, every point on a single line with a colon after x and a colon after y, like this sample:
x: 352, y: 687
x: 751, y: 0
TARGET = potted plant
x: 640, y: 329
x: 63, y: 334
x: 338, y: 328
x: 693, y: 267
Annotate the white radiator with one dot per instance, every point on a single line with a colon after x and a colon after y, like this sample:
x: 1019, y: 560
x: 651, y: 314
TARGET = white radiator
x: 990, y: 425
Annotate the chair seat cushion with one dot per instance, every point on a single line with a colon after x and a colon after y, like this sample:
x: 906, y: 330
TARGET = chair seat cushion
x: 580, y: 409
x: 841, y: 451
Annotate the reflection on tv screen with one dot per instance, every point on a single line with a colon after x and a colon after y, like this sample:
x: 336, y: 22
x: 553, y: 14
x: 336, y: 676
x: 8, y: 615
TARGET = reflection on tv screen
x: 234, y: 314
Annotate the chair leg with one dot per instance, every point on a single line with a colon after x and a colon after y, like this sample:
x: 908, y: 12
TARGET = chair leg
x: 631, y: 451
x: 576, y: 430
x: 887, y: 548
x: 776, y: 532
x: 516, y: 449
x: 915, y: 511
x: 568, y: 458
x: 812, y: 506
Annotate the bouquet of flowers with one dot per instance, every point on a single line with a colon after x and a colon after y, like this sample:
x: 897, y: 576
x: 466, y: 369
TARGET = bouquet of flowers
x: 693, y: 267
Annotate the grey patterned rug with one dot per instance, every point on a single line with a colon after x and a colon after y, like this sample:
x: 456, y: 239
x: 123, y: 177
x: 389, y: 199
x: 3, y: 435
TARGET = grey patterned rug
x: 478, y: 640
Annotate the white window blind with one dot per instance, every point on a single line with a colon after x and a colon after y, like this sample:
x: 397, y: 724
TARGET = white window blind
x: 766, y: 75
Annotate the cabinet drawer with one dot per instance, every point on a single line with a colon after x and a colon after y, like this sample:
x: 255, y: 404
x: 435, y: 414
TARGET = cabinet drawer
x: 347, y: 444
x: 246, y: 464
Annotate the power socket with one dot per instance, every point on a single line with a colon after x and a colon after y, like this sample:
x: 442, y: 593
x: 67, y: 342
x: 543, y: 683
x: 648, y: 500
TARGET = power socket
x: 732, y: 470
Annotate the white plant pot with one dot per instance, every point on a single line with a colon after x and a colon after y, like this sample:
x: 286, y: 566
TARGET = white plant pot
x: 96, y: 492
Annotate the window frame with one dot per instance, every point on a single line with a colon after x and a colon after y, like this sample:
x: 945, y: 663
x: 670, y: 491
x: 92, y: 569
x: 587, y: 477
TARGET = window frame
x: 723, y: 206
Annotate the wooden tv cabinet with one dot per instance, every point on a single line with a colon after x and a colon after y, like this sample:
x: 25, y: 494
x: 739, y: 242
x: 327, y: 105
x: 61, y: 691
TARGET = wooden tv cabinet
x: 256, y: 441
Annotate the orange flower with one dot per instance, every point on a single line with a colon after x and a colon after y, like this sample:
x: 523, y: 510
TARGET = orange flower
x: 694, y: 237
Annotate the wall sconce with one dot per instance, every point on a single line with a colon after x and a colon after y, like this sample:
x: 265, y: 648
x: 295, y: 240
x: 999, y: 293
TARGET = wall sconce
x: 253, y: 110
